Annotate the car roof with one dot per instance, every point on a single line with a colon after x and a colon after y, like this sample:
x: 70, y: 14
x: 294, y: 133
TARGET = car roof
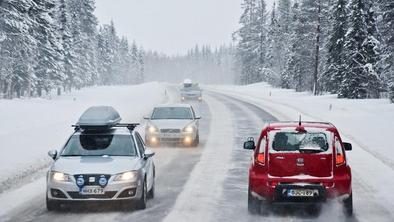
x: 175, y: 105
x: 305, y: 124
x: 112, y: 131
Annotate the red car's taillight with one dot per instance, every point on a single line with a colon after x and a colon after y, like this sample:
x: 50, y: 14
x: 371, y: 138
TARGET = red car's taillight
x: 260, y: 158
x: 340, y: 159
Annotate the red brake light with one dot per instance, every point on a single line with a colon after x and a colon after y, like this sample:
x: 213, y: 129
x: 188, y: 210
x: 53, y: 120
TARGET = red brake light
x: 340, y: 159
x: 261, y: 158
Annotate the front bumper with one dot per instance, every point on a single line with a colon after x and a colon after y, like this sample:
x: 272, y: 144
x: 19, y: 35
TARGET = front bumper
x: 180, y: 138
x: 191, y: 97
x: 70, y: 192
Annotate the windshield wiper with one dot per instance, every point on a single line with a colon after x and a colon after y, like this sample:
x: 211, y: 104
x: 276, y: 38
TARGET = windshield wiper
x: 311, y: 149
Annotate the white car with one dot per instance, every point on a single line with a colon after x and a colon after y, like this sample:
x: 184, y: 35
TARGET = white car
x: 176, y: 123
x: 103, y: 160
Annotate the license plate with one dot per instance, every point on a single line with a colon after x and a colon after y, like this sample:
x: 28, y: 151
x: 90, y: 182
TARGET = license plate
x: 92, y: 190
x: 301, y: 193
x: 170, y: 135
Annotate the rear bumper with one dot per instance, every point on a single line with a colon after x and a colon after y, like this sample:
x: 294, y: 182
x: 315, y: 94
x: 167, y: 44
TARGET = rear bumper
x: 270, y: 190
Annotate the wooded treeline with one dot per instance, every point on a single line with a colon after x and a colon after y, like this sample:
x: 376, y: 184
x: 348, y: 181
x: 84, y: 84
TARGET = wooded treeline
x: 344, y: 47
x: 48, y: 45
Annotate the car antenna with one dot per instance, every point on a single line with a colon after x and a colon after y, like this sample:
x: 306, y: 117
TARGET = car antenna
x: 299, y: 122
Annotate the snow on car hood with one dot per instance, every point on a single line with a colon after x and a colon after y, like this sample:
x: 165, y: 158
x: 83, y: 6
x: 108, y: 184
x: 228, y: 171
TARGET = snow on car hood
x: 96, y: 164
x: 171, y: 123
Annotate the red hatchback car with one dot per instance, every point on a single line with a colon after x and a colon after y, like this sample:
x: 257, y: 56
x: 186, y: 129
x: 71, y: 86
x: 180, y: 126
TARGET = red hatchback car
x: 299, y: 162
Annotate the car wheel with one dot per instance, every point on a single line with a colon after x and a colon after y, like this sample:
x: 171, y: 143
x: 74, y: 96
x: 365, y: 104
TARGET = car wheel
x: 151, y: 193
x: 141, y: 203
x: 348, y: 205
x: 254, y: 205
x: 52, y: 205
x: 196, y: 140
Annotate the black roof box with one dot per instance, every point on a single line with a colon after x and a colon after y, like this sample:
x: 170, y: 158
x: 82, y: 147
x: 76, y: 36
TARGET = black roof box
x: 99, y: 117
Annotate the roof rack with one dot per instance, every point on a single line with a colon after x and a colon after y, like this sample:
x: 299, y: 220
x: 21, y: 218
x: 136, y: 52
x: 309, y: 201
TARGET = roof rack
x: 101, y: 118
x: 130, y: 126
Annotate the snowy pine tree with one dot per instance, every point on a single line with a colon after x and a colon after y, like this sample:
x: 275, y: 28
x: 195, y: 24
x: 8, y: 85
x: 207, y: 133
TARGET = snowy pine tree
x: 354, y: 83
x: 387, y: 8
x: 335, y: 68
x: 373, y: 54
x: 252, y: 36
x: 48, y: 51
x: 16, y: 48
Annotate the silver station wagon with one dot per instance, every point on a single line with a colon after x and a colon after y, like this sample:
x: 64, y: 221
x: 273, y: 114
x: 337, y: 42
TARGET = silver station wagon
x: 103, y: 160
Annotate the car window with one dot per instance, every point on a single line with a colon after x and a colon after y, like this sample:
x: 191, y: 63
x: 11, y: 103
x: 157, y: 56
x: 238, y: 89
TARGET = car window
x: 99, y: 144
x: 172, y: 113
x: 140, y: 144
x: 294, y: 141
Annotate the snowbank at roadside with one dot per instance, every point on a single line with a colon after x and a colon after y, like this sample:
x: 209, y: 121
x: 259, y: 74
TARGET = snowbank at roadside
x: 31, y: 127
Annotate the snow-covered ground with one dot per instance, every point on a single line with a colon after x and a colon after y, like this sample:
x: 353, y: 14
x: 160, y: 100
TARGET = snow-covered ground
x: 31, y: 127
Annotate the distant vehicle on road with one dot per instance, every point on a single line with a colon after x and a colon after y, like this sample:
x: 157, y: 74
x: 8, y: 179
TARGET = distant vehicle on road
x: 103, y: 160
x: 177, y: 123
x: 190, y: 91
x: 299, y: 162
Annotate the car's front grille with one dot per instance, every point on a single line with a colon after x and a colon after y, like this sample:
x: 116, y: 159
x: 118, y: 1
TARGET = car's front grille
x: 170, y: 140
x: 106, y: 195
x: 91, y: 179
x: 170, y: 130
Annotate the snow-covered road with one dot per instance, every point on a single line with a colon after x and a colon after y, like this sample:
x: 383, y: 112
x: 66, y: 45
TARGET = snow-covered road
x: 209, y: 183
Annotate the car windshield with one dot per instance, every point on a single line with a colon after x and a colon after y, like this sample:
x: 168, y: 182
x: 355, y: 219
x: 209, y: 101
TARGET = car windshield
x: 99, y: 145
x: 172, y: 113
x: 296, y: 141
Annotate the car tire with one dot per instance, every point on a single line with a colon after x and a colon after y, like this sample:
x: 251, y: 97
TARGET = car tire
x: 151, y: 193
x: 52, y: 205
x: 196, y: 140
x: 348, y: 205
x: 254, y: 204
x: 141, y: 203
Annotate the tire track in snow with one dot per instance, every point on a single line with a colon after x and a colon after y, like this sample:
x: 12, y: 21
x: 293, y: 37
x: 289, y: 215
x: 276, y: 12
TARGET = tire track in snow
x: 202, y: 191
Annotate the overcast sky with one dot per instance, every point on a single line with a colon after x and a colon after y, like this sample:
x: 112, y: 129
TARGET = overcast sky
x: 172, y: 26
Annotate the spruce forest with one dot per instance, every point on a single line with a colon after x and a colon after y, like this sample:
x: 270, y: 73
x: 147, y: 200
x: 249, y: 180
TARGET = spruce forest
x: 345, y: 47
x: 48, y: 45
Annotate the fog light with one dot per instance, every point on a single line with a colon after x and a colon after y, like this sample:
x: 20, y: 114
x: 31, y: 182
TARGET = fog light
x: 188, y: 140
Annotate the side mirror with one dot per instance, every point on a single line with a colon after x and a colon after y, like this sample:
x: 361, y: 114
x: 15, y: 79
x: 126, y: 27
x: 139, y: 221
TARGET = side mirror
x: 148, y: 154
x: 348, y: 146
x: 197, y: 117
x: 52, y: 154
x: 249, y: 145
x: 146, y: 118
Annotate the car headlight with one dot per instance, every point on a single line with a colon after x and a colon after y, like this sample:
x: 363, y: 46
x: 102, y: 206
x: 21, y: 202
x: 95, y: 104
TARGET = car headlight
x: 152, y: 129
x: 189, y: 129
x: 127, y: 176
x: 60, y: 177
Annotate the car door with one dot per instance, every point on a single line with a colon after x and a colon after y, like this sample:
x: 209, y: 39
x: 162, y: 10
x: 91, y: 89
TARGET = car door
x: 147, y: 163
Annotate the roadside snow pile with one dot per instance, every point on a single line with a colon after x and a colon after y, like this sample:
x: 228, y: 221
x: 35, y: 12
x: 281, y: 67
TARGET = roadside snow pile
x: 29, y: 128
